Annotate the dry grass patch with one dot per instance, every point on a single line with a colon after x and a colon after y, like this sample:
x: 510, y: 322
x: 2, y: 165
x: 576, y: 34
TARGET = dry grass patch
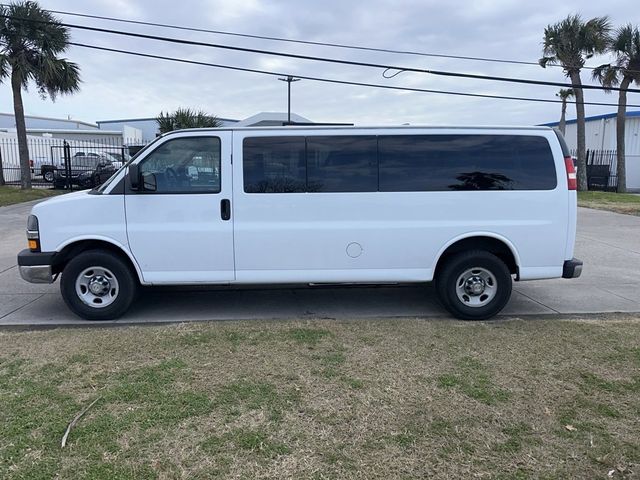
x: 625, y: 203
x: 12, y: 195
x: 325, y: 399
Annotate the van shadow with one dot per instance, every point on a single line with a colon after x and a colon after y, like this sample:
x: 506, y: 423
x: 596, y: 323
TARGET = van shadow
x: 167, y: 304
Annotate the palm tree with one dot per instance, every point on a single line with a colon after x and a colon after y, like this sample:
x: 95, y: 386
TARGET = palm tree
x: 564, y: 94
x: 186, y: 118
x: 625, y: 46
x: 31, y: 40
x: 569, y: 43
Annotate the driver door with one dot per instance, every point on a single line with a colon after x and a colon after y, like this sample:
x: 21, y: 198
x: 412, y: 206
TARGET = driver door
x: 183, y: 231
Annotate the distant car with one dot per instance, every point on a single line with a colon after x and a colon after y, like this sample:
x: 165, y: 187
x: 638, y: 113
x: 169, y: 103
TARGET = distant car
x: 113, y: 157
x: 86, y: 172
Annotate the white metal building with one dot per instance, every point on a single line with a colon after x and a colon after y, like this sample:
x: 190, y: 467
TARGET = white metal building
x: 129, y: 130
x: 600, y: 133
x: 8, y: 121
x: 68, y: 129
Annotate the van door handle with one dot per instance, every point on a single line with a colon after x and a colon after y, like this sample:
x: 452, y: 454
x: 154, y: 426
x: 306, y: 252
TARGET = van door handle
x: 225, y: 209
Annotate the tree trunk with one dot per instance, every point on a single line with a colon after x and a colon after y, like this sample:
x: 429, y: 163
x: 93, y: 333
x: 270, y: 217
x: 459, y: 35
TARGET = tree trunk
x: 621, y: 169
x: 23, y: 149
x: 563, y: 114
x: 582, y: 150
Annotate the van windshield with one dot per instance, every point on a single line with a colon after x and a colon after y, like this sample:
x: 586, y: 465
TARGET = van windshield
x: 128, y: 159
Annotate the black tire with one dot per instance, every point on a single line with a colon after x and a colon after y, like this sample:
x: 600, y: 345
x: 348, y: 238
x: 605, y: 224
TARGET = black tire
x: 48, y: 176
x: 114, y: 275
x: 480, y: 263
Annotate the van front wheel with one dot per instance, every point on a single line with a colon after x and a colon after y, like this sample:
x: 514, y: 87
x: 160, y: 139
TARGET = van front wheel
x: 98, y: 285
x: 474, y: 285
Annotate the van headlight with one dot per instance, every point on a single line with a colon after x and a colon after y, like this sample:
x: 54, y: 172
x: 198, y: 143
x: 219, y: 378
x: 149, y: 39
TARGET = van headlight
x: 33, y: 233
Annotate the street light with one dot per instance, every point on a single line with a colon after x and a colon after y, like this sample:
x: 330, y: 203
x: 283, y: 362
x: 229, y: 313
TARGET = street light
x: 289, y: 79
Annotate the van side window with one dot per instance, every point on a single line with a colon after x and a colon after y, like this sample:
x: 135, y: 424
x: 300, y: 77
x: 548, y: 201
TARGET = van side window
x: 415, y: 163
x: 397, y: 163
x: 342, y: 164
x: 185, y: 165
x: 274, y: 165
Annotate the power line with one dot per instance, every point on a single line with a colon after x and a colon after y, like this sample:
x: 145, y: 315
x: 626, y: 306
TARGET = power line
x: 331, y: 80
x: 324, y: 59
x: 304, y: 42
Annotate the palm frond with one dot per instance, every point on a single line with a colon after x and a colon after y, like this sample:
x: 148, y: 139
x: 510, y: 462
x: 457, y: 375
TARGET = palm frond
x: 625, y: 45
x: 165, y: 122
x: 570, y: 41
x: 595, y: 36
x: 544, y: 61
x: 56, y: 76
x: 4, y: 67
x: 608, y: 75
x: 565, y: 93
x: 33, y: 38
x: 186, y: 118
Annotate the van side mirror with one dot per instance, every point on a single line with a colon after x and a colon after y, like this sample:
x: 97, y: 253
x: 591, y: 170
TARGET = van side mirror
x: 149, y: 182
x: 134, y: 176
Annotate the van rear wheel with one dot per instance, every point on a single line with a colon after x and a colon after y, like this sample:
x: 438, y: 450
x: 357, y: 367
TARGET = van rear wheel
x: 474, y: 285
x: 98, y: 285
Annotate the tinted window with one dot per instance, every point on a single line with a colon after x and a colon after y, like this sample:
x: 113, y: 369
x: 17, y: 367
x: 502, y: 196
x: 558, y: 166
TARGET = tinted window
x: 274, y: 165
x: 465, y: 162
x: 342, y: 164
x: 185, y: 165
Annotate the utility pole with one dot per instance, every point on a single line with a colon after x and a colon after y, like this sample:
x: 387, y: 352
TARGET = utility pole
x: 289, y: 79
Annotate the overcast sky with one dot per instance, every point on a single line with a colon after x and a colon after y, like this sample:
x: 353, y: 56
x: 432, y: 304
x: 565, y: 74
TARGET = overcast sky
x: 118, y: 86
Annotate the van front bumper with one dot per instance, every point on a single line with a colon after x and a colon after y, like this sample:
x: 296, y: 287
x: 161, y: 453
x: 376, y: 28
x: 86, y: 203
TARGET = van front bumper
x: 572, y: 268
x: 36, y: 267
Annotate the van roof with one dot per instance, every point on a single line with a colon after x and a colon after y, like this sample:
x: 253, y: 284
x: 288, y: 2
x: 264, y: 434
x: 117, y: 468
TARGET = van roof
x: 365, y: 127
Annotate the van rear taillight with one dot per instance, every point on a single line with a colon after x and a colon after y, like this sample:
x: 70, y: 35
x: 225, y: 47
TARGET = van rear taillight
x: 572, y: 180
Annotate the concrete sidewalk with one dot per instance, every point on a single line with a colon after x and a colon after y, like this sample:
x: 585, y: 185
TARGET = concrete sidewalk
x: 608, y: 243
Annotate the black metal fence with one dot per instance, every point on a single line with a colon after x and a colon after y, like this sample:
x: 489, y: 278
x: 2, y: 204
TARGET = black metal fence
x: 64, y: 163
x: 601, y: 170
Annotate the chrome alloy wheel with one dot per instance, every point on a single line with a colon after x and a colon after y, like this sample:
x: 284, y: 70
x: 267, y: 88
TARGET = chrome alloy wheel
x: 97, y: 287
x: 476, y: 287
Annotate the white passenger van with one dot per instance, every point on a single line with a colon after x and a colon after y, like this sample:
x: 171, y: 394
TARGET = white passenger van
x: 468, y: 208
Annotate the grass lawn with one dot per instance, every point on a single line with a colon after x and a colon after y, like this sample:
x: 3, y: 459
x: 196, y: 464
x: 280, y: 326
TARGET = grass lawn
x: 404, y: 398
x: 11, y: 195
x: 614, y: 202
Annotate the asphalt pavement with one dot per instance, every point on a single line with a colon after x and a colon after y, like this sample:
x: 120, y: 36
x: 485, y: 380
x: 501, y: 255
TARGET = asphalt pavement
x: 608, y: 243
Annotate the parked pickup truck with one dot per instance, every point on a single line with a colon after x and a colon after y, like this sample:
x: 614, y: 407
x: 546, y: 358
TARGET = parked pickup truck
x: 48, y: 170
x: 85, y: 172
